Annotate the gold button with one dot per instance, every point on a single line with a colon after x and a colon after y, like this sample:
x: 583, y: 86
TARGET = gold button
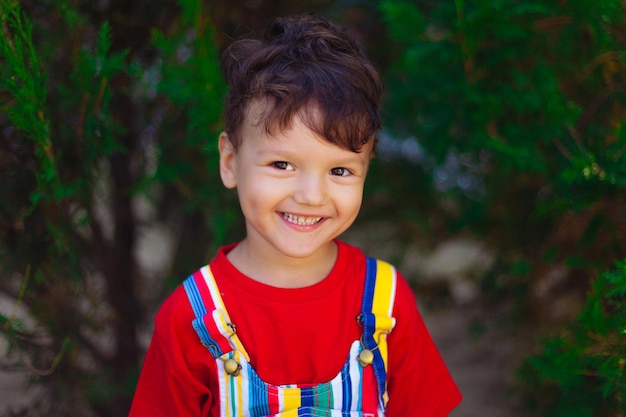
x: 366, y: 357
x: 231, y: 367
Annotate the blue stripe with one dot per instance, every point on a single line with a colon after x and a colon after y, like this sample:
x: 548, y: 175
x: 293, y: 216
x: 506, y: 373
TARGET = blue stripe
x: 193, y: 293
x: 370, y: 282
x: 259, y: 393
x: 253, y: 392
x: 199, y: 310
x: 307, y: 397
x: 368, y: 320
x: 381, y: 374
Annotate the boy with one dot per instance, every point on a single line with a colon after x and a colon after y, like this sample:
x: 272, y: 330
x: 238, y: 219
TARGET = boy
x: 291, y: 321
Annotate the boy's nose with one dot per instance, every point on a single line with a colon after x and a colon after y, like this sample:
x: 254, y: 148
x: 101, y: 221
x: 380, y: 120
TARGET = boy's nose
x: 311, y: 190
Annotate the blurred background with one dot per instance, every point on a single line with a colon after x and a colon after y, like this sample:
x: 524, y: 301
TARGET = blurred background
x: 498, y: 189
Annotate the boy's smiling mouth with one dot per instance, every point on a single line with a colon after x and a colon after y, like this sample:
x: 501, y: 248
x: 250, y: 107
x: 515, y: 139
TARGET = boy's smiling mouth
x: 301, y: 220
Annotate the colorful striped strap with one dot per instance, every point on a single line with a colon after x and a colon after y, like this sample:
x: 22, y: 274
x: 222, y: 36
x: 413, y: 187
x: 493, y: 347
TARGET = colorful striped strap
x: 216, y: 331
x: 376, y: 318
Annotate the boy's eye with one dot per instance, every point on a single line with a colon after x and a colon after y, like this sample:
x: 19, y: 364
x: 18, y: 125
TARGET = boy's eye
x: 341, y: 172
x: 285, y: 166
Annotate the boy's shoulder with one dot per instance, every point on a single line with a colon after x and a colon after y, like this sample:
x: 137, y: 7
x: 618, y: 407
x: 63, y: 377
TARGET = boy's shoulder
x: 176, y: 311
x: 357, y: 254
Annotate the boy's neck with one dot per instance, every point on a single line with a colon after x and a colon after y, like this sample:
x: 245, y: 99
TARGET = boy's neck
x: 277, y: 270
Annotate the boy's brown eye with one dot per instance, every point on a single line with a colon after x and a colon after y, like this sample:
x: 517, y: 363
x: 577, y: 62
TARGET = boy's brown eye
x: 286, y: 166
x: 341, y: 172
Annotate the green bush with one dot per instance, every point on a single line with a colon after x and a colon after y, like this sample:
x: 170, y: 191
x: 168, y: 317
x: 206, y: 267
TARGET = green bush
x: 518, y: 108
x: 582, y: 372
x: 528, y: 97
x: 518, y: 105
x: 109, y: 125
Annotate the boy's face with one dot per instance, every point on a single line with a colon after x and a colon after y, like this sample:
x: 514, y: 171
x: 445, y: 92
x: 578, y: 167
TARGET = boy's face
x: 297, y: 191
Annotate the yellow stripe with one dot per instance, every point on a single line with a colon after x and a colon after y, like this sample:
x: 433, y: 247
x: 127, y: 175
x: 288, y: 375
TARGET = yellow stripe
x: 291, y: 397
x: 382, y: 306
x: 239, y: 382
x: 383, y: 289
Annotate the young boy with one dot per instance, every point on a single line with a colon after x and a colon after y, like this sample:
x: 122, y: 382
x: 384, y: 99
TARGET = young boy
x: 291, y: 321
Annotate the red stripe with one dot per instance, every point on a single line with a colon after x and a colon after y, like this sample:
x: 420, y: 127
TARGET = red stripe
x: 272, y: 399
x: 222, y: 341
x: 205, y: 293
x: 370, y: 391
x: 204, y: 290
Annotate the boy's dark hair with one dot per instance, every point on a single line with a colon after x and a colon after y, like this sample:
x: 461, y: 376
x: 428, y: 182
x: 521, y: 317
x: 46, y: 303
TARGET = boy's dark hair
x: 306, y: 66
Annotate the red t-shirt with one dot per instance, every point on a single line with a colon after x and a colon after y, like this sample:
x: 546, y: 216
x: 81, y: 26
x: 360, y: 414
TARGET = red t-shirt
x: 293, y: 336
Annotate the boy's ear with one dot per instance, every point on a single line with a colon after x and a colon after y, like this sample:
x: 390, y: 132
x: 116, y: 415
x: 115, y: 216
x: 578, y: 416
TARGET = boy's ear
x: 228, y: 162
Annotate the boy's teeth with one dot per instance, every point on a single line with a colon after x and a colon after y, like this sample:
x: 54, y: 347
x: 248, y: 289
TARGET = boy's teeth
x: 300, y: 220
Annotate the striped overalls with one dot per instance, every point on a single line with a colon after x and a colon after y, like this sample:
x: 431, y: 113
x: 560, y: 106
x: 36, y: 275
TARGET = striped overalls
x: 352, y: 393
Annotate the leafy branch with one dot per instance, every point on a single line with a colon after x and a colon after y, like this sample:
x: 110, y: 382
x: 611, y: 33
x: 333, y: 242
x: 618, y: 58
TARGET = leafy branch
x: 23, y: 80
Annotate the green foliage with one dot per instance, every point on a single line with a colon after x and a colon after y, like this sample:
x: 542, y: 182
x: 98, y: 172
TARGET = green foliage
x: 97, y: 123
x: 582, y: 372
x: 22, y: 78
x: 189, y: 76
x: 46, y: 195
x: 527, y: 98
x: 404, y: 20
x: 495, y: 76
x: 191, y: 80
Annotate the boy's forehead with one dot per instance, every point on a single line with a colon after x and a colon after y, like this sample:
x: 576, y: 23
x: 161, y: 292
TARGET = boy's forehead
x: 258, y: 111
x: 260, y: 122
x: 256, y: 121
x: 255, y: 111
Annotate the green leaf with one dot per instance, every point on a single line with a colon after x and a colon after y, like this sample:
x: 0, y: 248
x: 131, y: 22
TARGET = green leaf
x: 404, y: 20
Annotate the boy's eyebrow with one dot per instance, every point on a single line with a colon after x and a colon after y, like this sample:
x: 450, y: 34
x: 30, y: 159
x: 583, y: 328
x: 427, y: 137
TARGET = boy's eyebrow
x: 343, y: 160
x: 356, y: 158
x: 268, y: 150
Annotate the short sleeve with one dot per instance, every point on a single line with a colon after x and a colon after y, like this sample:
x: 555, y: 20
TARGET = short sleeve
x: 419, y: 382
x: 173, y: 378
